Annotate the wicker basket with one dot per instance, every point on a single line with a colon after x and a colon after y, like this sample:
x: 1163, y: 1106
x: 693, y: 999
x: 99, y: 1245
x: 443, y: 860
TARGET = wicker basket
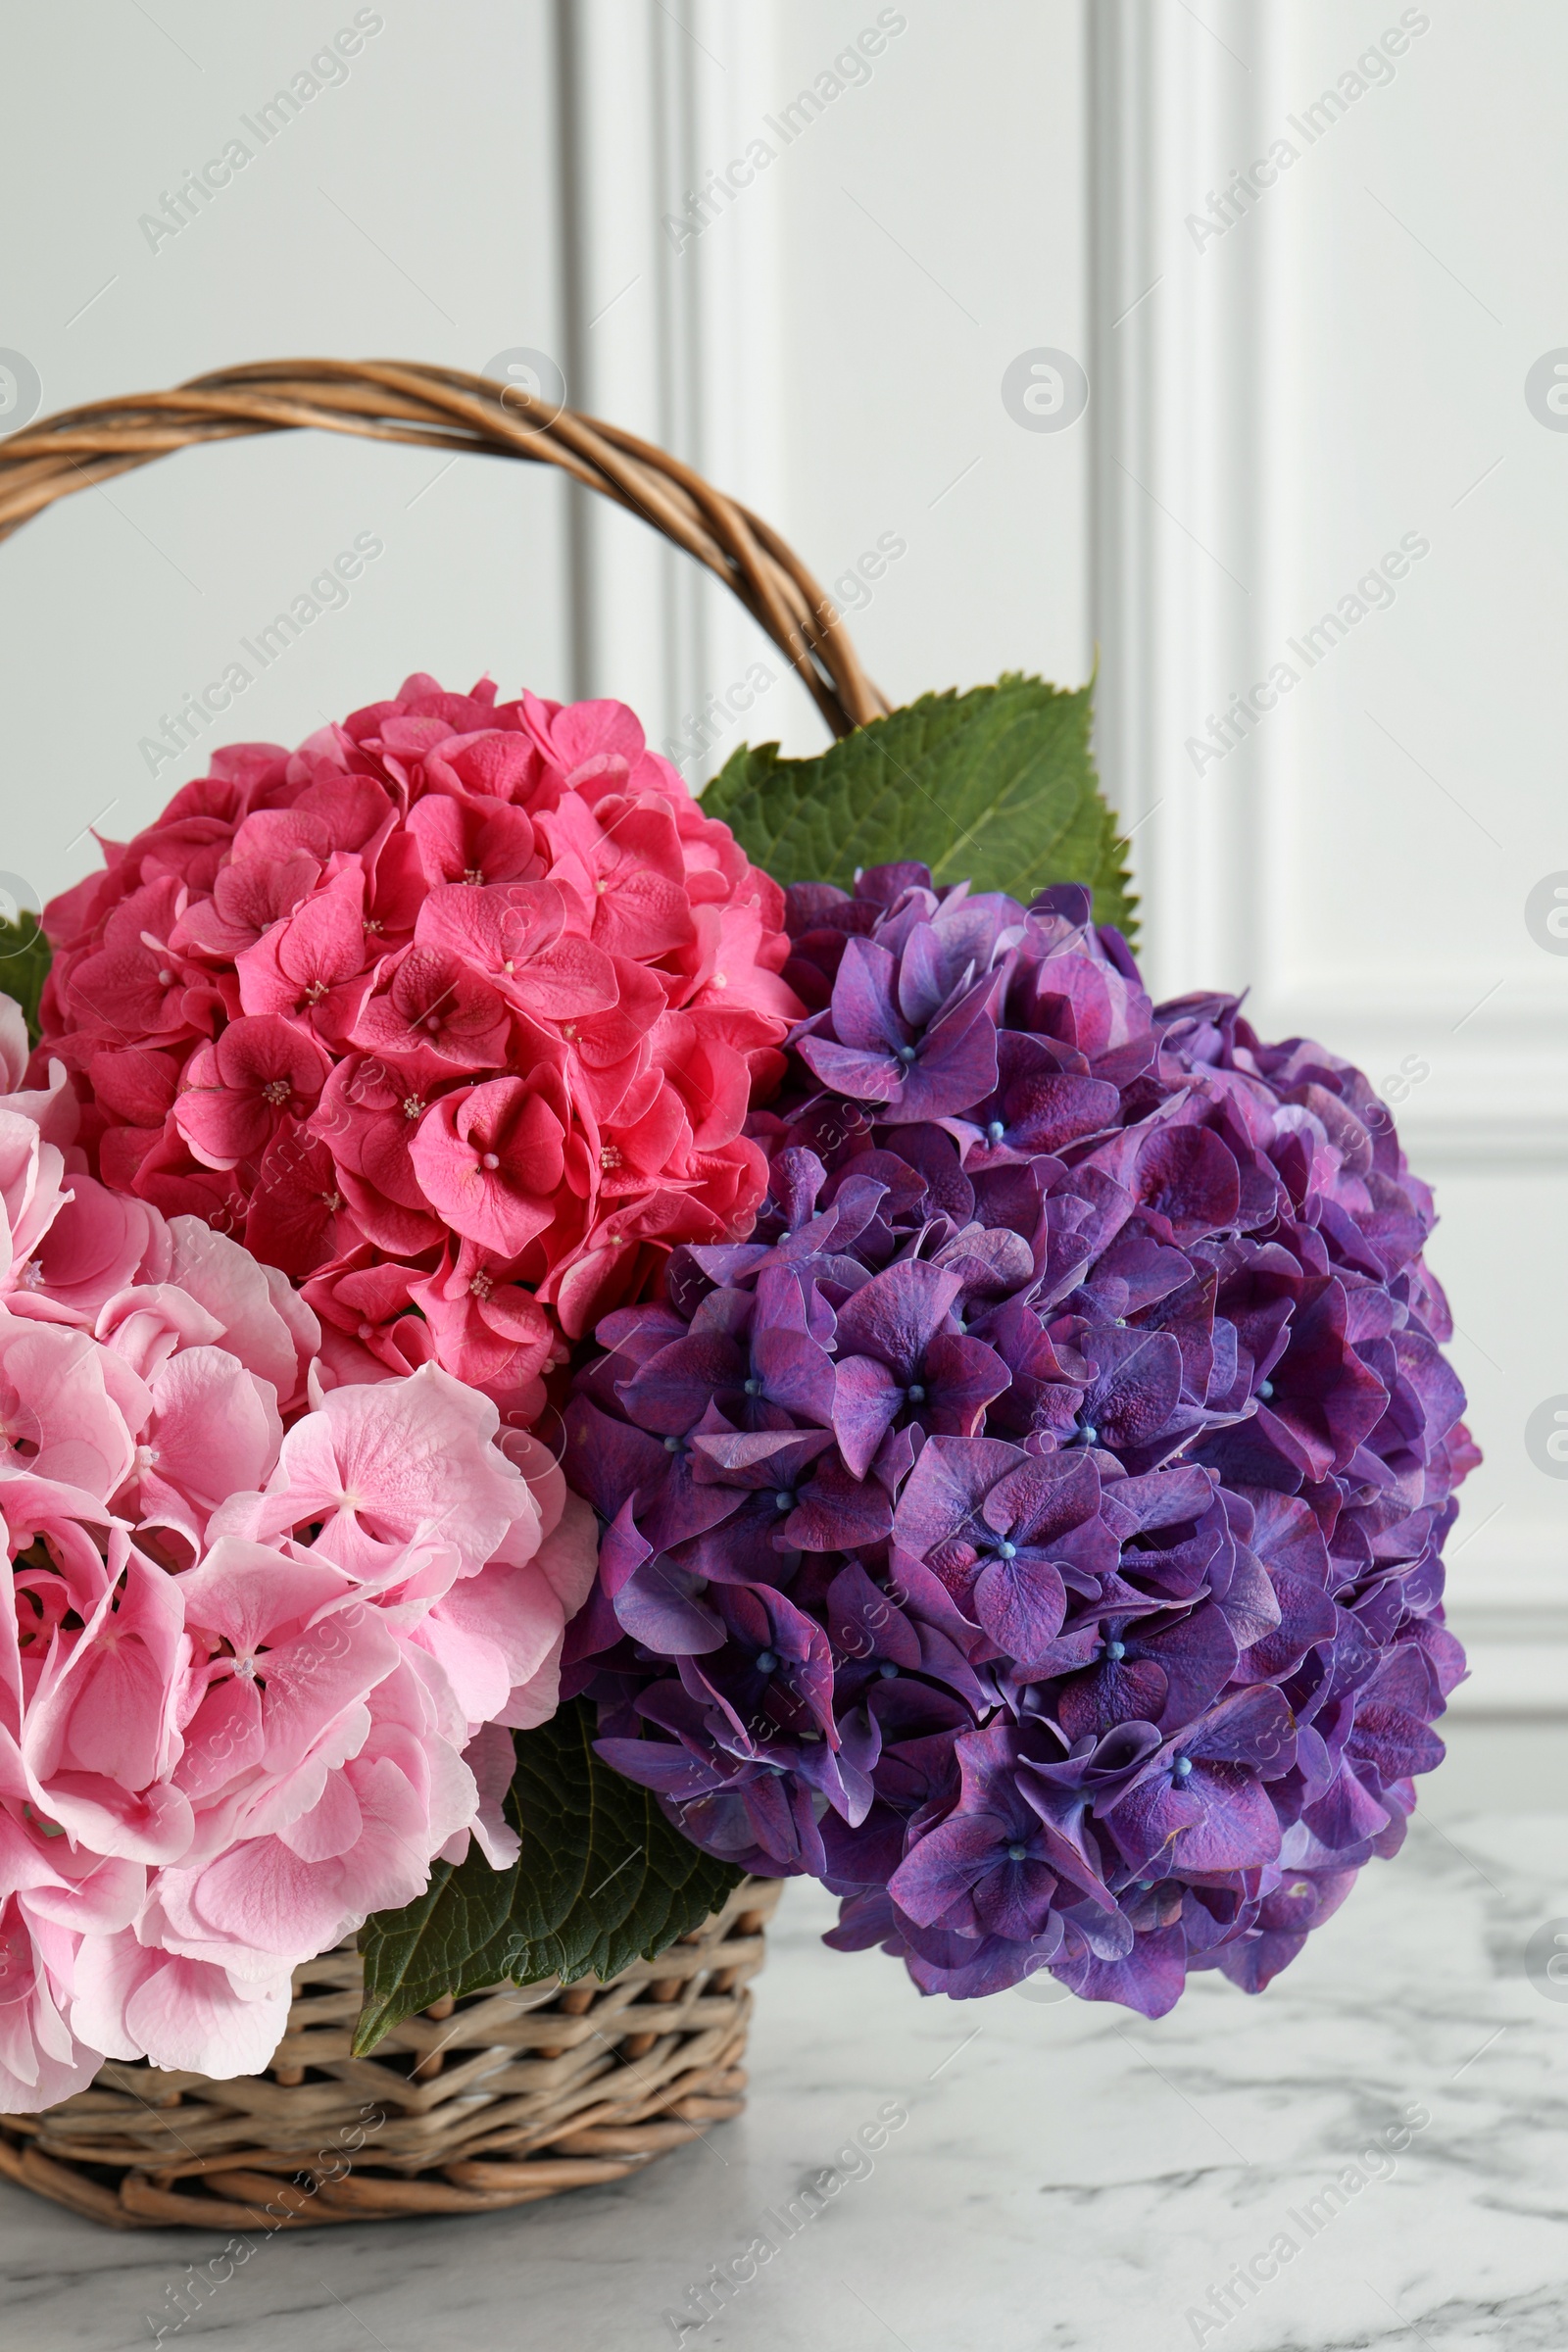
x: 498, y: 2099
x: 514, y: 2095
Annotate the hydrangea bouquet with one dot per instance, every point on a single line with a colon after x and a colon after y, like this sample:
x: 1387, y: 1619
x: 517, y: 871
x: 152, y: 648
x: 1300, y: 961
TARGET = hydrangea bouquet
x: 1013, y: 1412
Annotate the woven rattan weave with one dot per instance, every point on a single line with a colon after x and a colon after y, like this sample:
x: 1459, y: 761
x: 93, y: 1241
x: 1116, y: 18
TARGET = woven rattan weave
x: 498, y: 2099
x: 441, y: 408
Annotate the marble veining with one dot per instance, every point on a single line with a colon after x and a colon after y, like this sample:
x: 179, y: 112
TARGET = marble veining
x: 1068, y: 2178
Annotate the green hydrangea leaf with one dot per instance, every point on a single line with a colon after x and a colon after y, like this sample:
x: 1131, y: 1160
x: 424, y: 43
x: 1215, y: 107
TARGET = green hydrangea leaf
x: 24, y: 955
x: 997, y: 785
x: 603, y: 1879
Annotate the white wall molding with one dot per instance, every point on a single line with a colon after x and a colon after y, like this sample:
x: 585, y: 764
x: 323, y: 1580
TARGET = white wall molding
x: 1202, y: 511
x: 1180, y: 369
x: 674, y: 336
x: 627, y: 352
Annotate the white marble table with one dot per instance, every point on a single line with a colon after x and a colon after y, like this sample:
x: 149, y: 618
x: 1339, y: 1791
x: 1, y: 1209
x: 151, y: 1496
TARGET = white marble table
x: 1069, y: 2179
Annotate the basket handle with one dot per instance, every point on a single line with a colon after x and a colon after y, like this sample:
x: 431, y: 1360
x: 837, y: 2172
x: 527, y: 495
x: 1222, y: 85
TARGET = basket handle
x: 442, y: 408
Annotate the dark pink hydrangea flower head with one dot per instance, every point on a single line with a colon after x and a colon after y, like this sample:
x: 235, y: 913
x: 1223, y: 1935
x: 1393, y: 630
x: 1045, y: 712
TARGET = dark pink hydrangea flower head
x: 1034, y: 1527
x: 453, y: 1014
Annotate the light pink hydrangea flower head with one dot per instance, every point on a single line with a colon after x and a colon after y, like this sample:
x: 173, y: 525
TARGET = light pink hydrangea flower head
x: 266, y: 1630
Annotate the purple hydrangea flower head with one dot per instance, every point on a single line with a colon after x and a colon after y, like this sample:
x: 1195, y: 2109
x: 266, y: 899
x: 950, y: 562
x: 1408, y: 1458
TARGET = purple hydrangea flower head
x: 1034, y: 1529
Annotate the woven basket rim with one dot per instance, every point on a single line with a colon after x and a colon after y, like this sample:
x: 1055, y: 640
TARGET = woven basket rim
x: 503, y: 2098
x: 445, y: 408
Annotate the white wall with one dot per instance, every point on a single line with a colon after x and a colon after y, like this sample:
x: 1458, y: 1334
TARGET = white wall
x: 1344, y: 366
x: 830, y: 347
x: 828, y: 343
x: 408, y: 211
x: 1272, y: 409
x: 935, y: 228
x: 1432, y: 746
